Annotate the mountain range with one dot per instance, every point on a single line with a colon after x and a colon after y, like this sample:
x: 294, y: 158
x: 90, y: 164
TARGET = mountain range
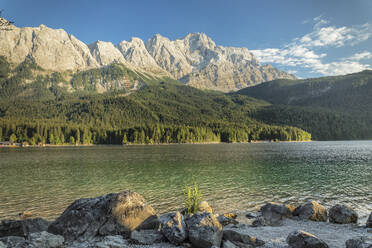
x: 194, y: 60
x: 55, y: 89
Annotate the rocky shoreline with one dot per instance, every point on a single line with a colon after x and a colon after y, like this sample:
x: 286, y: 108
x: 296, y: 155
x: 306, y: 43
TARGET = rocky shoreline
x: 125, y: 220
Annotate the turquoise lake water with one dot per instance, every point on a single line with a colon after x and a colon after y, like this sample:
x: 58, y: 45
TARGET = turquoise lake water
x: 231, y: 176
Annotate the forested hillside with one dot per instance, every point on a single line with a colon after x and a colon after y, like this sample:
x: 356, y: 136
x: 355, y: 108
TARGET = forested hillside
x: 330, y: 108
x: 56, y: 108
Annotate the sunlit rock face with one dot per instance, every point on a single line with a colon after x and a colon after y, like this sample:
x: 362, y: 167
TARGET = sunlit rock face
x: 195, y: 60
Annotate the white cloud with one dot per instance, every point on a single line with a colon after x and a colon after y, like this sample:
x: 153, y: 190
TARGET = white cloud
x: 360, y: 56
x: 301, y: 52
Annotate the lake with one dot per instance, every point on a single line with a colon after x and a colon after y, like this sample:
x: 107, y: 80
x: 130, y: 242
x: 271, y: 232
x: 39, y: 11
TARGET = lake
x: 231, y: 176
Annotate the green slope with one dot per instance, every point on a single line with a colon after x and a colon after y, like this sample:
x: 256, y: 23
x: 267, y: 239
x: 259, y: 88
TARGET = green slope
x: 329, y: 108
x: 54, y: 107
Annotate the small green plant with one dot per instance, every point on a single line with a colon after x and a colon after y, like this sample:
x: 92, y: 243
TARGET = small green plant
x: 193, y: 197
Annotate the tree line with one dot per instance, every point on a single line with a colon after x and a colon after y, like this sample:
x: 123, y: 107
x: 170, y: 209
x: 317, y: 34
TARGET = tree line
x: 68, y: 133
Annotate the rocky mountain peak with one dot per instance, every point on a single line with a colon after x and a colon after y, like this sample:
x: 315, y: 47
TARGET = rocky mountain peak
x: 195, y: 59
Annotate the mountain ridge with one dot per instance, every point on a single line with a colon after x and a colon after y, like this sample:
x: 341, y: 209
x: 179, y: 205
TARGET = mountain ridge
x: 194, y: 60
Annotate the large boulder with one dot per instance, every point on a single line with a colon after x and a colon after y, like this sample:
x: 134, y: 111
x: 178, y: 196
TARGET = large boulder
x: 359, y: 242
x: 341, y: 214
x: 240, y: 238
x: 311, y: 211
x: 22, y: 228
x: 204, y: 230
x: 301, y: 239
x: 46, y: 240
x: 369, y: 221
x: 112, y: 214
x: 173, y: 227
x: 273, y: 213
x: 147, y: 237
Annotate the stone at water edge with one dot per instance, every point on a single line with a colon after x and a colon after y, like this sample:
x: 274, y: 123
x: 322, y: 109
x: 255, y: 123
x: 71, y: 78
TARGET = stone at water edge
x: 228, y: 244
x: 46, y: 240
x: 147, y: 237
x: 341, y: 214
x: 311, y: 211
x: 369, y: 221
x: 22, y: 228
x: 301, y: 239
x: 226, y: 220
x: 273, y: 213
x: 359, y: 242
x: 174, y: 227
x: 111, y: 214
x: 204, y: 207
x: 204, y: 230
x: 14, y: 241
x: 241, y: 239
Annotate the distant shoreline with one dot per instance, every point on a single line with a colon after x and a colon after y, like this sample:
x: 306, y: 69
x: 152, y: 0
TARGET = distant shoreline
x: 144, y: 144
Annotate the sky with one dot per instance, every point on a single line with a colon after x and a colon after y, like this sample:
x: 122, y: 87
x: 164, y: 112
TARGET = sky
x: 309, y: 38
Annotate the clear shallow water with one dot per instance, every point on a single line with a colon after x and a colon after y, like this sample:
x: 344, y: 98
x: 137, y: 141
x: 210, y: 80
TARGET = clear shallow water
x: 231, y: 176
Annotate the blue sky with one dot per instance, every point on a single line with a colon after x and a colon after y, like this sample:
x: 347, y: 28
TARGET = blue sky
x: 308, y: 38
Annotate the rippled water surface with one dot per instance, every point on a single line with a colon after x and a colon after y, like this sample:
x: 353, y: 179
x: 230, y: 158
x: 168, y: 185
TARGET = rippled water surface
x: 231, y: 176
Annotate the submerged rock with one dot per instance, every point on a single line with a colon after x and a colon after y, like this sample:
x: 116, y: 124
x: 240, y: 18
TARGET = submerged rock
x: 204, y: 230
x: 173, y: 227
x: 112, y: 214
x: 301, y: 239
x: 273, y: 213
x: 22, y: 228
x: 341, y: 214
x: 311, y: 211
x: 241, y: 239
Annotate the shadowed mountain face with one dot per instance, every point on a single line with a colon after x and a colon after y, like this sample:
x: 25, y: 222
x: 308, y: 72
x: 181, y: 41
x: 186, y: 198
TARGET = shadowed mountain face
x: 195, y: 60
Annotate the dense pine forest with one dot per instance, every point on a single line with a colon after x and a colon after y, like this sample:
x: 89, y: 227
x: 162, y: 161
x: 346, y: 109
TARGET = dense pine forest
x: 115, y: 105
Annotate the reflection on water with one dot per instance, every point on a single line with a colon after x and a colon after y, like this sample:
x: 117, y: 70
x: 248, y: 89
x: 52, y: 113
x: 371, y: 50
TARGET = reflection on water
x: 231, y: 176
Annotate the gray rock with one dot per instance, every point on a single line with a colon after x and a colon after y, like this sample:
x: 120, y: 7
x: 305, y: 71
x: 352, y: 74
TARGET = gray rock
x: 22, y: 228
x: 112, y: 214
x: 173, y: 227
x: 273, y: 213
x: 301, y: 239
x: 341, y: 214
x: 228, y: 244
x: 147, y: 237
x: 2, y: 245
x: 259, y: 221
x: 46, y: 240
x: 204, y: 230
x: 241, y: 239
x: 116, y: 241
x: 224, y: 220
x: 359, y: 242
x: 250, y: 215
x: 311, y: 211
x: 369, y: 221
x: 14, y: 241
